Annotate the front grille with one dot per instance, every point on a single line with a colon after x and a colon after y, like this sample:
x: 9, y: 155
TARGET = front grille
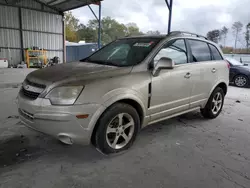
x: 25, y: 114
x: 35, y: 84
x: 32, y: 90
x: 29, y: 94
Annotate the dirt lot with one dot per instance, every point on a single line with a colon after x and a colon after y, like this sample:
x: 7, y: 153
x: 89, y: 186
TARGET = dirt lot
x: 187, y: 151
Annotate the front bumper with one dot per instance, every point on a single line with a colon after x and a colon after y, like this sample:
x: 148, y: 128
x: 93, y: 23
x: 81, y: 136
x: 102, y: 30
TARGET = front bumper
x: 58, y: 121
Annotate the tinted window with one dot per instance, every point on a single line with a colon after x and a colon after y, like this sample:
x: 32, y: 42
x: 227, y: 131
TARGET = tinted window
x: 124, y: 52
x: 200, y: 51
x: 215, y: 53
x: 176, y: 50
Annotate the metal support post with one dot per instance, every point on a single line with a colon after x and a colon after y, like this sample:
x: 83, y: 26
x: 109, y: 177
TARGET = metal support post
x: 99, y: 25
x: 170, y: 6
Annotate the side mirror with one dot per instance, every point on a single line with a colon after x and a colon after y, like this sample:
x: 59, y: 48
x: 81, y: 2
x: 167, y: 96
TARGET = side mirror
x: 163, y: 63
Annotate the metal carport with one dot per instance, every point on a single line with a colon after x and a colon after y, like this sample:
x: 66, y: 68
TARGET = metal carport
x: 26, y: 23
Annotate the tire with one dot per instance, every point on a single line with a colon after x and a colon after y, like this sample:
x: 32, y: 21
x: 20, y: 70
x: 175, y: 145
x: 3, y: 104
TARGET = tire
x: 209, y: 111
x: 241, y: 81
x: 116, y: 120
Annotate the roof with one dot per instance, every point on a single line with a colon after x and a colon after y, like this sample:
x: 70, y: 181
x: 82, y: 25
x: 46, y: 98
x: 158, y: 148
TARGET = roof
x: 66, y: 5
x: 174, y: 34
x: 59, y: 6
x: 148, y: 36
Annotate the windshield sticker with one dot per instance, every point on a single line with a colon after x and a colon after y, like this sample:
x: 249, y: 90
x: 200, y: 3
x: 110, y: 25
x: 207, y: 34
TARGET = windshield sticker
x: 143, y: 44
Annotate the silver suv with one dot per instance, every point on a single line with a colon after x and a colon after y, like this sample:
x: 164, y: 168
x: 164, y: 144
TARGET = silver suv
x: 107, y: 98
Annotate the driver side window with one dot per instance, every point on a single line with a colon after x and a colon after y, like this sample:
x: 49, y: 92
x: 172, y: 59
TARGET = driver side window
x: 176, y: 50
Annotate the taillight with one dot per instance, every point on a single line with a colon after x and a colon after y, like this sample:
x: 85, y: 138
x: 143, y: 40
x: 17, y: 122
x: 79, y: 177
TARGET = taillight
x: 228, y: 64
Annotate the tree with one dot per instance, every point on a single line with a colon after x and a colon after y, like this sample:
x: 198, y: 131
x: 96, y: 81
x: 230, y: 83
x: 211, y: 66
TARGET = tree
x: 132, y: 29
x: 237, y: 27
x: 71, y: 27
x: 214, y: 35
x: 111, y: 29
x: 153, y: 32
x: 247, y: 37
x: 223, y: 35
x: 86, y: 33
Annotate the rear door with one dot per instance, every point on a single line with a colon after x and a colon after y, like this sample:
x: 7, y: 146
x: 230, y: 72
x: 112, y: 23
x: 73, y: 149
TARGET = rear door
x: 221, y: 64
x: 204, y: 73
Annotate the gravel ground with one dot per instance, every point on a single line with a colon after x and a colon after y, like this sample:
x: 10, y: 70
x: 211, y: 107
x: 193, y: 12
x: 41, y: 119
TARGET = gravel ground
x: 187, y: 151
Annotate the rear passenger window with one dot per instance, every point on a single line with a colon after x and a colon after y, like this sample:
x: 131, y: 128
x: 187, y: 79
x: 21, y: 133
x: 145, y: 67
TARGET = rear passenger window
x: 200, y: 51
x: 215, y: 53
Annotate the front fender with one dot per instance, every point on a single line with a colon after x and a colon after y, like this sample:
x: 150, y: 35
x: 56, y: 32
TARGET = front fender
x: 124, y: 93
x: 115, y: 96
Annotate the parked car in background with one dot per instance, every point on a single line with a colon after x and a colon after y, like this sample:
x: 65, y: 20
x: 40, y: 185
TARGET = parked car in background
x: 107, y: 98
x: 239, y: 74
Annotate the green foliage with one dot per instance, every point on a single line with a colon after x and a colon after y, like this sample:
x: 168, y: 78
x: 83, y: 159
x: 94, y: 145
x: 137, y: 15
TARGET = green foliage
x: 237, y: 27
x: 214, y: 35
x: 111, y: 29
x: 71, y: 27
x: 153, y: 32
x: 247, y: 35
x: 223, y: 34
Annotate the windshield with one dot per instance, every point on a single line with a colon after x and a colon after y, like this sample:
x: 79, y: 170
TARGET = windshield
x: 124, y: 52
x: 234, y: 62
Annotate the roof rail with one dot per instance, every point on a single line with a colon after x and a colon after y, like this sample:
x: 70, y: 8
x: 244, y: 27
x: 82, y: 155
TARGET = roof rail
x: 188, y: 33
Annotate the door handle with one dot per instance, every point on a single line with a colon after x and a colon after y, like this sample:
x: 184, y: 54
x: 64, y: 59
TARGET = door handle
x: 188, y: 75
x: 213, y: 70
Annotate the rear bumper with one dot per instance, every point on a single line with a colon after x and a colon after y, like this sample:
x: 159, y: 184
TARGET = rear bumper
x: 58, y: 121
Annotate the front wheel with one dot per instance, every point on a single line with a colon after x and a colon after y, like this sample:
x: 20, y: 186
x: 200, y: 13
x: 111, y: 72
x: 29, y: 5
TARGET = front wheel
x: 214, y: 105
x: 241, y: 81
x: 117, y: 128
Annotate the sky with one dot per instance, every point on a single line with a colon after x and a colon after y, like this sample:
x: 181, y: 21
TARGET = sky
x: 197, y: 16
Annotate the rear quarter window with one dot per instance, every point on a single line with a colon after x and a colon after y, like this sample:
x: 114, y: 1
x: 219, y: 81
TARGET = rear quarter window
x: 215, y: 53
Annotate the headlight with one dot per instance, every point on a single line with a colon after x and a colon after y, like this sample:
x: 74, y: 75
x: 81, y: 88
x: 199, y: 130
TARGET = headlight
x: 65, y: 95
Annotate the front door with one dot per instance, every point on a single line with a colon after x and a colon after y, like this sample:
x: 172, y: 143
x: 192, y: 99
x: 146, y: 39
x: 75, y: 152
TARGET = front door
x: 171, y: 88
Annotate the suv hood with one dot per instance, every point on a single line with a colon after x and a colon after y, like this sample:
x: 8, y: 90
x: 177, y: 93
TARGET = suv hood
x: 76, y: 71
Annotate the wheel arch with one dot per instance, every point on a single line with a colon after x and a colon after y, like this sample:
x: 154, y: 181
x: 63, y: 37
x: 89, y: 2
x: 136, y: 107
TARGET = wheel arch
x: 223, y: 86
x: 134, y: 102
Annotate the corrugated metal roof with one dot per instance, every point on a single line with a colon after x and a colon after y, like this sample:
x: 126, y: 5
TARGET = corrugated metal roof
x: 65, y: 5
x: 52, y: 5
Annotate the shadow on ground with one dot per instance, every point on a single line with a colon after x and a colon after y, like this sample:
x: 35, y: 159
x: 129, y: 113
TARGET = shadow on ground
x: 21, y: 148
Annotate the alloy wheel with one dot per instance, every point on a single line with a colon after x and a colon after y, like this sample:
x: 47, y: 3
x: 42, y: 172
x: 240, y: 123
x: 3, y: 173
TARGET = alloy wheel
x: 216, y: 103
x: 240, y: 81
x: 120, y: 130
